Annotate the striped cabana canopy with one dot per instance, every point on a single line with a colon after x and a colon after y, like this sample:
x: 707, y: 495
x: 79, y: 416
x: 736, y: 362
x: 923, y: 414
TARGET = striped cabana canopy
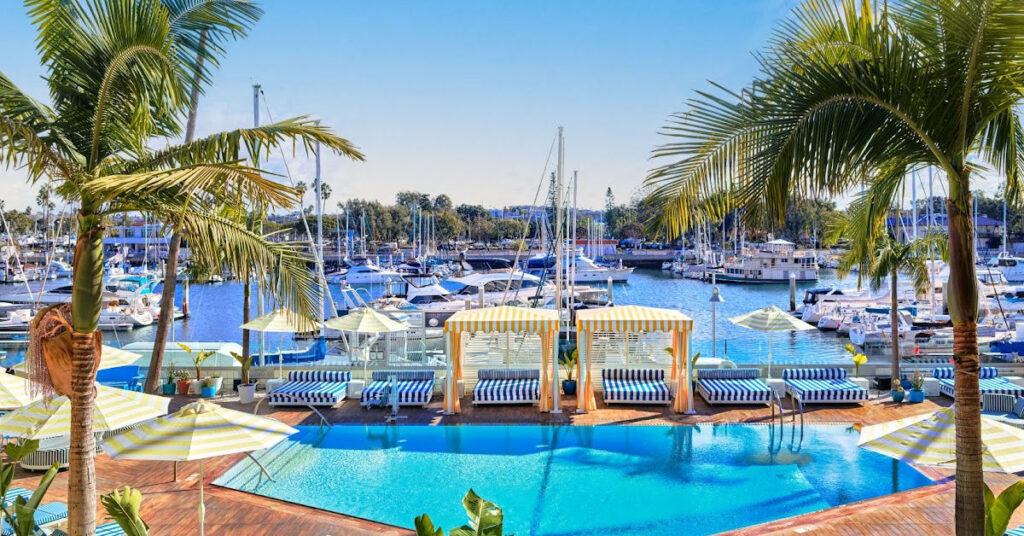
x: 632, y: 319
x: 502, y: 319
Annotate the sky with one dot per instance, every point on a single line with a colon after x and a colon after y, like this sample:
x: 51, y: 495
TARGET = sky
x: 464, y: 97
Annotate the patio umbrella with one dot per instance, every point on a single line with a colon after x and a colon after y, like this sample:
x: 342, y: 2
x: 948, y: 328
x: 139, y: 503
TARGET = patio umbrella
x: 365, y: 320
x: 14, y: 391
x: 110, y: 357
x: 279, y: 321
x: 770, y: 319
x: 114, y: 409
x: 197, y: 431
x: 930, y: 439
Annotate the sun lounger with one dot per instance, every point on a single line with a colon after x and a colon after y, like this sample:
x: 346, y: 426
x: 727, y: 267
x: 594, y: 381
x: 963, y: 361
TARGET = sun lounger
x: 312, y: 387
x: 823, y: 386
x: 507, y: 386
x: 635, y: 386
x: 45, y: 514
x: 1019, y: 531
x: 733, y: 386
x: 14, y: 493
x: 415, y: 387
x: 54, y: 450
x: 1003, y: 408
x: 989, y: 382
x: 108, y: 529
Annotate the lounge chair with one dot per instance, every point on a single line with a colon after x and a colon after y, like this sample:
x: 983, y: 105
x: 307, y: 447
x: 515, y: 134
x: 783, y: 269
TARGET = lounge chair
x: 45, y: 514
x: 507, y: 386
x: 1003, y: 408
x: 1019, y: 531
x: 733, y: 386
x: 989, y: 382
x: 54, y: 450
x: 415, y: 387
x: 635, y: 386
x: 823, y: 386
x: 108, y: 529
x: 14, y: 493
x: 311, y: 387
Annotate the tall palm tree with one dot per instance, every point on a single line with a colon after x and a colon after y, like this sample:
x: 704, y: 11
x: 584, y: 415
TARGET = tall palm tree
x: 845, y: 96
x: 118, y: 77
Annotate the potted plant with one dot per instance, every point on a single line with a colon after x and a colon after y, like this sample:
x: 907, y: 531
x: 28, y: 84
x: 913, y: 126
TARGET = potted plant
x: 197, y: 362
x: 857, y: 358
x: 568, y: 359
x: 169, y: 387
x: 209, y: 389
x: 897, y: 392
x: 916, y: 388
x: 246, y: 389
x: 184, y: 381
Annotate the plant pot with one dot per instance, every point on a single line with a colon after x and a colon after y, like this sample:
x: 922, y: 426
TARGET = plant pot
x: 184, y: 386
x: 569, y: 387
x: 207, y: 392
x: 915, y: 396
x: 247, y: 393
x: 195, y: 387
x: 897, y: 396
x: 169, y: 388
x: 218, y: 382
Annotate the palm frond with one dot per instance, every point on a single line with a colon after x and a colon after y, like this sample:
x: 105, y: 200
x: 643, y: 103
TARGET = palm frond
x: 219, y: 20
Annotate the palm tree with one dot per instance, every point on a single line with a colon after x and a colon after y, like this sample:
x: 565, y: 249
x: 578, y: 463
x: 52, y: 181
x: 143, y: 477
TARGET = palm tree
x: 846, y: 96
x: 117, y: 75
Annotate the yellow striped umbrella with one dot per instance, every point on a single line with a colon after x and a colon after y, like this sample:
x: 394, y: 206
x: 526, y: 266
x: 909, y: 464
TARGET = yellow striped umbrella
x: 930, y: 439
x: 14, y: 392
x: 110, y: 357
x: 280, y: 321
x: 366, y: 320
x: 113, y: 409
x: 198, y: 430
x: 770, y: 319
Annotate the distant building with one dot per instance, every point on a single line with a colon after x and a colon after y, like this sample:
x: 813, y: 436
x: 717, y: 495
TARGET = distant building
x: 903, y: 226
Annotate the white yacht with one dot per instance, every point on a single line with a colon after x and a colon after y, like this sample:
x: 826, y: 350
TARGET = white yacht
x: 1012, y: 267
x: 364, y: 274
x: 876, y: 330
x: 587, y: 271
x: 773, y: 262
x: 500, y: 288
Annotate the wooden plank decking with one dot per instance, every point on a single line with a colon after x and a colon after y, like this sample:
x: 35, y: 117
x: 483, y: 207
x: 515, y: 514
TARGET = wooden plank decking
x: 169, y: 506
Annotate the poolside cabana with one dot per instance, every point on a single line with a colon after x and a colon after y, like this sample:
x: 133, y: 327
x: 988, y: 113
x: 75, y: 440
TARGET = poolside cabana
x: 504, y: 319
x: 630, y: 319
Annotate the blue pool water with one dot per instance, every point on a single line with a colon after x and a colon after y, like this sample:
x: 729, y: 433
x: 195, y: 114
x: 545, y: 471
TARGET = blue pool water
x: 549, y: 480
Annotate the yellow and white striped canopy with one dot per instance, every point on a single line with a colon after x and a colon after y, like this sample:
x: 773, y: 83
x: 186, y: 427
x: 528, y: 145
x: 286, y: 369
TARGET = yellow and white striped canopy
x: 366, y: 320
x: 503, y: 319
x: 14, y: 391
x: 280, y: 321
x: 197, y: 431
x: 110, y: 357
x: 930, y: 439
x: 114, y: 408
x: 770, y: 318
x: 632, y: 319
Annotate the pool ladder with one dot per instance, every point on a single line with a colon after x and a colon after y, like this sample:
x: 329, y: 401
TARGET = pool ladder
x: 798, y: 409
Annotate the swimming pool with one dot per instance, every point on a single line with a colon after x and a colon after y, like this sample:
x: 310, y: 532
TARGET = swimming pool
x: 562, y: 480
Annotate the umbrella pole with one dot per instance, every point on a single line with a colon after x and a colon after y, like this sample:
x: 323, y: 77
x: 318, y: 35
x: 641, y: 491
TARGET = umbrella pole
x: 202, y: 506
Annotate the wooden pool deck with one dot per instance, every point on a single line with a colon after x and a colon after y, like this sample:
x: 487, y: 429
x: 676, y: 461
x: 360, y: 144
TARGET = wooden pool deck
x: 169, y: 505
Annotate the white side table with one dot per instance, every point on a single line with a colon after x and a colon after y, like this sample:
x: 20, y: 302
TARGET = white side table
x: 355, y: 388
x: 778, y: 385
x: 931, y: 387
x: 274, y: 384
x: 864, y: 383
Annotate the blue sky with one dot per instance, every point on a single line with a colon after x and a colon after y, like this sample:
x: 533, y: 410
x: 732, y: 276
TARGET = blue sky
x: 463, y: 97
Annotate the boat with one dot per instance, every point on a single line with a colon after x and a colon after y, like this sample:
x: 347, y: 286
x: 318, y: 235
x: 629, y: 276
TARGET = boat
x: 1012, y: 267
x: 500, y: 288
x: 773, y: 262
x: 585, y: 269
x: 60, y: 269
x: 364, y: 274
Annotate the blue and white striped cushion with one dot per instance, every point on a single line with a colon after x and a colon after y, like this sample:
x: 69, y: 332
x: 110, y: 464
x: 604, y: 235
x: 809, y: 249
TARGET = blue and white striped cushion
x: 314, y: 393
x: 403, y: 375
x: 948, y: 372
x: 109, y: 529
x: 943, y: 373
x: 996, y: 386
x: 745, y: 390
x: 643, y: 386
x: 730, y: 374
x: 811, y: 391
x: 1019, y: 531
x: 410, y: 392
x: 14, y: 493
x: 511, y: 391
x: 508, y: 374
x: 319, y: 376
x: 814, y: 374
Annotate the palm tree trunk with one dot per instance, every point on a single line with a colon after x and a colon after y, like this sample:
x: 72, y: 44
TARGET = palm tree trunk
x: 962, y: 299
x: 156, y: 360
x: 893, y: 318
x: 246, y: 308
x: 86, y: 302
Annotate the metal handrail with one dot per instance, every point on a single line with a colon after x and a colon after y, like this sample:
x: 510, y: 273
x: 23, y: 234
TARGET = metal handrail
x: 323, y: 419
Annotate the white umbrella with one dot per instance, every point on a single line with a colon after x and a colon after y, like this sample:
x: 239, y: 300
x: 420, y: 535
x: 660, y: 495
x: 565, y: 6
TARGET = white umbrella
x: 197, y: 431
x: 770, y: 319
x: 280, y: 321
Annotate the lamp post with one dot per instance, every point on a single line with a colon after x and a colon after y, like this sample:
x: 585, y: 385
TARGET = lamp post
x: 716, y: 298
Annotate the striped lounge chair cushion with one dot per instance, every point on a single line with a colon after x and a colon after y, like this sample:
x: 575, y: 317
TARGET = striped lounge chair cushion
x: 314, y: 393
x: 946, y: 373
x: 14, y: 493
x: 1019, y: 531
x: 814, y: 374
x: 834, y: 390
x: 637, y: 386
x: 508, y: 374
x: 109, y: 529
x: 988, y: 386
x: 45, y: 514
x: 415, y: 387
x: 733, y: 385
x: 319, y: 376
x: 511, y: 386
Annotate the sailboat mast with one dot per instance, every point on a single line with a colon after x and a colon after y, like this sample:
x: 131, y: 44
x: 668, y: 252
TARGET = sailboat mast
x: 559, y: 279
x: 319, y: 231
